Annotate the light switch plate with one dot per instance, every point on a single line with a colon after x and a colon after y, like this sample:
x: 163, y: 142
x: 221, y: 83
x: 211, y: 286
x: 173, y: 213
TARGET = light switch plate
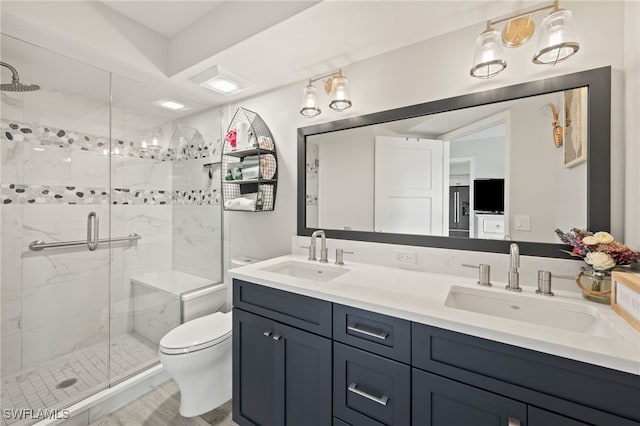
x: 523, y: 222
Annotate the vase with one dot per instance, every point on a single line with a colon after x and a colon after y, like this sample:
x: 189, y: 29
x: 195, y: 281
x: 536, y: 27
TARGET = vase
x: 595, y: 285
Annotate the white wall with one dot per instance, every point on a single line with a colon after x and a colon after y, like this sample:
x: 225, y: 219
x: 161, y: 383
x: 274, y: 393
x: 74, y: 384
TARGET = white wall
x: 488, y: 153
x: 553, y: 191
x: 433, y: 69
x: 345, y: 180
x: 632, y: 123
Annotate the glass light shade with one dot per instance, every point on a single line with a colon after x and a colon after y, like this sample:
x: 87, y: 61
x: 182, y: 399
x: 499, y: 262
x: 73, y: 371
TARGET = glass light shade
x: 341, y: 100
x: 488, y: 60
x: 309, y: 102
x: 557, y: 39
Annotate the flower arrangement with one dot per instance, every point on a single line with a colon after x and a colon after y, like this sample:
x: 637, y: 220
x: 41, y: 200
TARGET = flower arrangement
x: 599, y: 250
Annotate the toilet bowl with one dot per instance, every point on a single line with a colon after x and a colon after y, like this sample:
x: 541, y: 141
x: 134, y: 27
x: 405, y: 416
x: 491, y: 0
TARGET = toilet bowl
x: 197, y: 356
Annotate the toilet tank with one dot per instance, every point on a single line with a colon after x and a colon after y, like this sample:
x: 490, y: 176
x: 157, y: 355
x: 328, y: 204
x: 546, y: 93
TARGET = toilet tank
x: 204, y: 301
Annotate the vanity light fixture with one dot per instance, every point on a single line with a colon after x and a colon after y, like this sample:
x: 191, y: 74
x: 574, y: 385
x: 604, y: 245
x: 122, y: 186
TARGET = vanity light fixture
x: 556, y: 41
x: 336, y: 85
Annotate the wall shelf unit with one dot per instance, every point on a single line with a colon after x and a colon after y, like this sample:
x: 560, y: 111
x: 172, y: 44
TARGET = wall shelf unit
x: 249, y: 172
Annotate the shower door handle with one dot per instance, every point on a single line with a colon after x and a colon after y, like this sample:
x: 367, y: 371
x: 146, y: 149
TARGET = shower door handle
x: 93, y: 227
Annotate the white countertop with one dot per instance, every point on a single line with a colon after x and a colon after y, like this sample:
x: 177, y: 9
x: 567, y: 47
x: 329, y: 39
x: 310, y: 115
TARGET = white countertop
x: 420, y: 297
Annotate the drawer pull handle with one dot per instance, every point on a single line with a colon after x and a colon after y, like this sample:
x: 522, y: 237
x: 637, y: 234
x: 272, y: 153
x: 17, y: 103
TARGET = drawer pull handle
x: 267, y: 333
x: 277, y: 337
x: 513, y: 422
x: 382, y: 335
x: 383, y: 400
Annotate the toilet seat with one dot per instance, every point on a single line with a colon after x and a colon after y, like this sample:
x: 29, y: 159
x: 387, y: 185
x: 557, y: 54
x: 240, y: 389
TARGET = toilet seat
x: 197, y: 334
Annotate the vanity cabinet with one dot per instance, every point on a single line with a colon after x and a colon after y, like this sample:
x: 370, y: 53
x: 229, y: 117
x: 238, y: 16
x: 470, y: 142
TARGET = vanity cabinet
x: 304, y: 361
x: 490, y: 226
x: 281, y: 374
x: 572, y: 389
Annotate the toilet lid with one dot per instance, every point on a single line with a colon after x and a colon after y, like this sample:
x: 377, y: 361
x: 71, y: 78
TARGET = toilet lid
x: 197, y: 334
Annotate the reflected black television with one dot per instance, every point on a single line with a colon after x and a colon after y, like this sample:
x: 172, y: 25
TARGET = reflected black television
x: 488, y: 195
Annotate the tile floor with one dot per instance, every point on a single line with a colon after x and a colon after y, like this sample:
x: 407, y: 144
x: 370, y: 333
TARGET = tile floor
x: 160, y: 407
x: 38, y: 387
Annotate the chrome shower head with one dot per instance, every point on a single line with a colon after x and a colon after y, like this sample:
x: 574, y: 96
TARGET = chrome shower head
x: 15, y: 85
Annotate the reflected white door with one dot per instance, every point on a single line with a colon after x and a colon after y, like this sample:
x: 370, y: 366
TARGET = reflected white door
x: 409, y: 186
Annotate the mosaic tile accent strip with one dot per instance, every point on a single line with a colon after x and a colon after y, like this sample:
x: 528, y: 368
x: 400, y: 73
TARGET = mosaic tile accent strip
x: 199, y: 197
x: 140, y: 196
x: 37, y: 387
x: 51, y: 194
x: 54, y: 137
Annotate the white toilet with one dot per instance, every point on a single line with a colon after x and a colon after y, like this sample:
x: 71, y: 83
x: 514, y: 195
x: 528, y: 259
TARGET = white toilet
x: 197, y: 355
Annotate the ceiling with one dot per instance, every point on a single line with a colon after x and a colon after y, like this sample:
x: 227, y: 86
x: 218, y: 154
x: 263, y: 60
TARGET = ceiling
x: 164, y: 17
x: 268, y: 43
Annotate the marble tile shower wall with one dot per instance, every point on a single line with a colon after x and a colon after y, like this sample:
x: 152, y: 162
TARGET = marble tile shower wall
x: 57, y: 300
x: 197, y: 231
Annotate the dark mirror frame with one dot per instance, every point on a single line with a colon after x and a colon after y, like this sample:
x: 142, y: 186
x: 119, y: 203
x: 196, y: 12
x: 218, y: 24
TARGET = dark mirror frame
x: 598, y: 159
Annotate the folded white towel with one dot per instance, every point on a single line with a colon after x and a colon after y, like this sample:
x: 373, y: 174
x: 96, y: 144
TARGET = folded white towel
x: 241, y: 203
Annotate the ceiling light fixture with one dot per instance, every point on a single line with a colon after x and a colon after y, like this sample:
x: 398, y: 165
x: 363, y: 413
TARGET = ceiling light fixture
x: 220, y: 80
x: 556, y: 42
x: 169, y: 104
x: 336, y: 85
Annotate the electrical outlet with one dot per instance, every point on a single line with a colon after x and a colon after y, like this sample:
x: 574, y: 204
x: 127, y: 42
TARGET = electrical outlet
x: 405, y: 257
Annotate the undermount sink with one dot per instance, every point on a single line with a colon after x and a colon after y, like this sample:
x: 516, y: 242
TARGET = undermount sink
x: 550, y: 313
x: 308, y: 271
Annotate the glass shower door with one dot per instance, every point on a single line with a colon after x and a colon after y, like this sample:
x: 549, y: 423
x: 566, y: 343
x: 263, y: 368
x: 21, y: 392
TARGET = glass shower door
x: 55, y: 190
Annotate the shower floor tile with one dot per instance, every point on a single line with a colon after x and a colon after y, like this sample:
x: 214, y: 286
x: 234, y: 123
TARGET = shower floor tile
x: 38, y: 388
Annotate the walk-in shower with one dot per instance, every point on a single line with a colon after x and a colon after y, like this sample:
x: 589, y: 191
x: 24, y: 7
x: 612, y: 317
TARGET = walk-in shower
x: 109, y: 222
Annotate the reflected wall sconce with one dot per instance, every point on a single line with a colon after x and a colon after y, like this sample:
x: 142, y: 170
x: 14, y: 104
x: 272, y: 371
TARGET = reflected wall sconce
x: 335, y: 85
x: 557, y: 128
x: 556, y: 41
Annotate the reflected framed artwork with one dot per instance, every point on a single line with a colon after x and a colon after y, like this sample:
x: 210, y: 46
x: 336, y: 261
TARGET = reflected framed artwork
x: 575, y: 127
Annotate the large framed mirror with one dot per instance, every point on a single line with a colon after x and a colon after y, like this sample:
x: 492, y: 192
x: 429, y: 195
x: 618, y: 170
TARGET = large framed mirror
x: 473, y: 172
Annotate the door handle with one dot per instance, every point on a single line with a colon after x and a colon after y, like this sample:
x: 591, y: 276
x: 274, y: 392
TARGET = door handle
x: 513, y: 422
x: 277, y: 337
x: 456, y: 207
x: 382, y: 400
x: 267, y: 333
x: 93, y: 230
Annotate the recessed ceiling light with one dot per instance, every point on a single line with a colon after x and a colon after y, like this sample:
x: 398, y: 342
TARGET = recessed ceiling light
x: 221, y: 84
x: 220, y: 80
x: 172, y: 105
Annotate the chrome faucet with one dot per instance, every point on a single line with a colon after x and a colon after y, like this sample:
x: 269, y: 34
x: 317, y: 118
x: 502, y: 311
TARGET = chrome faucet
x: 514, y: 275
x: 324, y: 251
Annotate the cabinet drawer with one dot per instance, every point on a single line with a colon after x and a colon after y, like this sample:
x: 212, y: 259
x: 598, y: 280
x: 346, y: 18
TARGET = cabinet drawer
x: 303, y: 312
x: 377, y: 333
x: 493, y: 225
x: 369, y: 389
x: 578, y: 390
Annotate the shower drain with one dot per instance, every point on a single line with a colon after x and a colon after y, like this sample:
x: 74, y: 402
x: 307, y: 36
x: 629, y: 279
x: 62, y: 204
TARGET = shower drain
x: 66, y: 383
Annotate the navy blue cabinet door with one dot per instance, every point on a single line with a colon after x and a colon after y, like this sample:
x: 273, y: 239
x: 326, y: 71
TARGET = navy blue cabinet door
x: 281, y: 375
x: 254, y: 373
x: 304, y: 377
x: 442, y: 402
